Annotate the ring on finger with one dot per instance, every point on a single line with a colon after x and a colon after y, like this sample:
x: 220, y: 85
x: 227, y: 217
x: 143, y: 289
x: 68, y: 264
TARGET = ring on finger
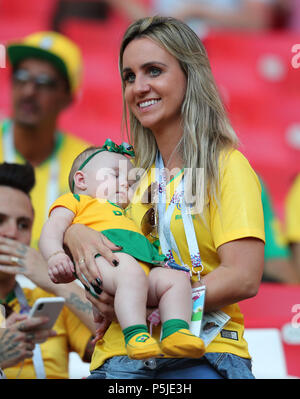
x: 29, y: 347
x: 15, y: 260
x: 81, y: 261
x: 29, y: 337
x: 22, y: 327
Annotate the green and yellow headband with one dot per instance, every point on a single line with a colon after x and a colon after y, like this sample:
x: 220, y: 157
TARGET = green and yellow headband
x: 110, y: 146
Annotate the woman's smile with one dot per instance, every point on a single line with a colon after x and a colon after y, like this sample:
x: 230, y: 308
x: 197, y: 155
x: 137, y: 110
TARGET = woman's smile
x: 144, y: 105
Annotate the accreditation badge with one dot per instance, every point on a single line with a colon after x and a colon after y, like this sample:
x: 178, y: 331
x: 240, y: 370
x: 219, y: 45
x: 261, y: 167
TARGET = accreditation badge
x: 205, y: 325
x: 198, y: 297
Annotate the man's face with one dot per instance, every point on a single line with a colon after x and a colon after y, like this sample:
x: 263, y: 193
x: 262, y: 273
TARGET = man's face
x: 39, y: 93
x: 16, y: 216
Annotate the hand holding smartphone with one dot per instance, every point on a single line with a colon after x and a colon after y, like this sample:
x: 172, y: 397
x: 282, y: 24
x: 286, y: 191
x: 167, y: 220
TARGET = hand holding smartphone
x: 49, y: 307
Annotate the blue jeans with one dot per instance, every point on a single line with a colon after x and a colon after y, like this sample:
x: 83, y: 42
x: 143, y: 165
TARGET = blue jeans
x: 210, y: 366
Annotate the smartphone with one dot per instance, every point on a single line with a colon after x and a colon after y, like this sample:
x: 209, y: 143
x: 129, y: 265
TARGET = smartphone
x: 49, y: 307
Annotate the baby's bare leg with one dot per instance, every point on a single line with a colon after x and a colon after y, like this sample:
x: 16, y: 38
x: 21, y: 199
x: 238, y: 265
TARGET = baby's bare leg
x: 129, y: 284
x: 171, y: 291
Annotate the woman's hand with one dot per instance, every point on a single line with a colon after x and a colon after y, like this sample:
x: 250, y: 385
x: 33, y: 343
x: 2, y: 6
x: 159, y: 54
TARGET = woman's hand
x: 104, y: 303
x: 18, y: 340
x: 84, y: 243
x: 17, y: 258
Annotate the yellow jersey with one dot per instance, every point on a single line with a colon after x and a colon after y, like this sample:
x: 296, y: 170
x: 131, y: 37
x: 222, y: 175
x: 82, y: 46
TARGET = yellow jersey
x: 292, y: 212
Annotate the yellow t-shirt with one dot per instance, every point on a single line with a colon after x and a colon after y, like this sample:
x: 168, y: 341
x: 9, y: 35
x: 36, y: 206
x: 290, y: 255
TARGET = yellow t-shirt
x: 72, y: 336
x: 241, y: 216
x: 51, y: 175
x: 112, y: 221
x: 292, y: 212
x: 98, y: 214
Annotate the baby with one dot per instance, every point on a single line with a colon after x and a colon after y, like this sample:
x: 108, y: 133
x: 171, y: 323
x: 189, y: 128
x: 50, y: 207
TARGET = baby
x: 100, y: 191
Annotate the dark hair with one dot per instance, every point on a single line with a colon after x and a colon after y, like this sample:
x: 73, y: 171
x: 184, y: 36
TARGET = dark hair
x: 19, y: 176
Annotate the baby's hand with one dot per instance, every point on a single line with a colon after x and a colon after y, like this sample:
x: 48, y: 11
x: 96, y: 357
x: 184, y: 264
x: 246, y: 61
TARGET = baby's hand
x: 61, y: 268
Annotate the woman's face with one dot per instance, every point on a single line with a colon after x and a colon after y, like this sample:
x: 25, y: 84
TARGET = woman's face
x: 155, y: 84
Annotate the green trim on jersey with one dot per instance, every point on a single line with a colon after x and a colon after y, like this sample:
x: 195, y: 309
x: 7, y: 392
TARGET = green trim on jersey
x: 274, y: 248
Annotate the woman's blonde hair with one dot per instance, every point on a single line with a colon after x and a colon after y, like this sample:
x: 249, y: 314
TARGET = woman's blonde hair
x: 206, y: 128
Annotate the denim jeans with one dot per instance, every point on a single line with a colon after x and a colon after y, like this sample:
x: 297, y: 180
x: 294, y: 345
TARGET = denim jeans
x: 210, y: 366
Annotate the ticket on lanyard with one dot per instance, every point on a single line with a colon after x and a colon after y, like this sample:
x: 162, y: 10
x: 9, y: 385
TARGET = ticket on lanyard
x: 205, y: 325
x: 198, y: 297
x: 212, y: 325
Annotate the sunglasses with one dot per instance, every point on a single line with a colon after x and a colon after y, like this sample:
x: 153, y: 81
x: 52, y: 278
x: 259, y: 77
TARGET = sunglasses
x: 41, y: 81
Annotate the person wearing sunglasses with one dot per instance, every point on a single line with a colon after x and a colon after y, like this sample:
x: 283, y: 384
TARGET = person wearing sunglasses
x: 45, y: 79
x: 178, y: 123
x: 101, y: 184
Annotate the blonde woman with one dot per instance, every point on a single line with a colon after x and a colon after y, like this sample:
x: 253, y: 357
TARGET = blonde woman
x: 178, y: 124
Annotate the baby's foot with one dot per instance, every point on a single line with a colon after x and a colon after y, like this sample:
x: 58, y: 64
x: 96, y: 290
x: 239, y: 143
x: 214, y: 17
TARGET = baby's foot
x: 183, y: 344
x: 142, y: 346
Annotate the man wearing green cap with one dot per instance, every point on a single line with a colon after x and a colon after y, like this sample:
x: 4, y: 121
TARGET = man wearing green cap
x: 46, y: 70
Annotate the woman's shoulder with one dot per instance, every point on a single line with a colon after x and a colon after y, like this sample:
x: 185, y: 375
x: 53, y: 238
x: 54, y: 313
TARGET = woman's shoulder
x: 234, y: 160
x: 235, y: 167
x: 233, y: 156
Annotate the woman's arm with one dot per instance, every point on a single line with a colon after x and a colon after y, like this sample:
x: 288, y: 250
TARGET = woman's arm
x: 238, y: 276
x: 84, y: 244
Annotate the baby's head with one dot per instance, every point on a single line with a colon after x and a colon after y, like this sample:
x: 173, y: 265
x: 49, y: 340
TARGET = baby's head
x: 102, y: 174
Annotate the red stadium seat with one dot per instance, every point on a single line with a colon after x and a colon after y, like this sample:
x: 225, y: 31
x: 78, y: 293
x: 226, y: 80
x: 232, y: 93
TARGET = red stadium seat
x: 261, y: 90
x: 278, y: 306
x: 26, y: 10
x: 248, y: 63
x: 99, y: 109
